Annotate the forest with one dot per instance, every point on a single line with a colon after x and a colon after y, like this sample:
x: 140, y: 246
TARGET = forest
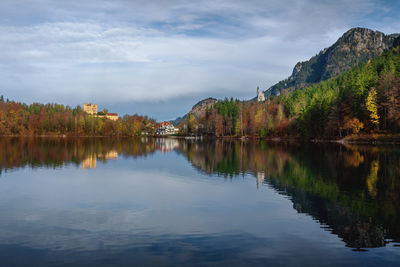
x: 363, y: 100
x: 55, y: 119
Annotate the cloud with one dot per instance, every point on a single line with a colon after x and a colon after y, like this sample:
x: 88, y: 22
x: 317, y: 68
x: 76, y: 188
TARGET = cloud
x: 135, y: 63
x: 146, y: 51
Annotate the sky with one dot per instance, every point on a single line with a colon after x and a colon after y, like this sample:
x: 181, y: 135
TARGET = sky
x: 159, y: 58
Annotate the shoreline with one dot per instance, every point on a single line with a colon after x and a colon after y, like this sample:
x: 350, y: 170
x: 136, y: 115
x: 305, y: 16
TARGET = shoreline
x: 373, y: 139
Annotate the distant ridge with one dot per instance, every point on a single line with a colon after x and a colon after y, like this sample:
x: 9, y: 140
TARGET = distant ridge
x: 355, y: 46
x: 199, y: 108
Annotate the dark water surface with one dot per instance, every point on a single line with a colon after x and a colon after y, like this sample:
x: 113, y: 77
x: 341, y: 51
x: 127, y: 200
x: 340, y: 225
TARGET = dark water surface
x: 145, y: 202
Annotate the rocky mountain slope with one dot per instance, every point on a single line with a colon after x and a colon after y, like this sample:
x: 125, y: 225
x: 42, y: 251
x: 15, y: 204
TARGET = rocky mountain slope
x: 355, y: 46
x: 197, y: 109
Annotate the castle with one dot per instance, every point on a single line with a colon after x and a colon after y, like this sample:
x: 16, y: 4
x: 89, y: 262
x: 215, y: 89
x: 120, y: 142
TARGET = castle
x: 91, y: 109
x: 260, y: 95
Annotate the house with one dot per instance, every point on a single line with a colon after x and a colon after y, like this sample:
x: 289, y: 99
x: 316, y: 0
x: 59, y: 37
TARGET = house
x: 166, y: 128
x: 112, y: 116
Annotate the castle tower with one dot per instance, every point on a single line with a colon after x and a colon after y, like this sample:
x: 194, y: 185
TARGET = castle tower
x: 260, y: 95
x: 90, y: 108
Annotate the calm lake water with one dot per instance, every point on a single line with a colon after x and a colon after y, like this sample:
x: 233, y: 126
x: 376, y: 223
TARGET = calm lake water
x: 142, y: 202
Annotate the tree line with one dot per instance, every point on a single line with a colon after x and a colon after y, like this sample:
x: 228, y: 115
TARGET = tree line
x: 365, y: 99
x: 55, y: 119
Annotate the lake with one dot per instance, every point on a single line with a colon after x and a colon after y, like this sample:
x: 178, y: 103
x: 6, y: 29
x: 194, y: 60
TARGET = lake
x: 169, y: 202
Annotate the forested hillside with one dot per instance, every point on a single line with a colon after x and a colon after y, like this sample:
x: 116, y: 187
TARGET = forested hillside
x: 358, y: 45
x: 55, y: 119
x: 365, y: 99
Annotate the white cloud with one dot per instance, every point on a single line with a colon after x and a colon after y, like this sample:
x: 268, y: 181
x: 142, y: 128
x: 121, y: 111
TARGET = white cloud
x: 121, y: 51
x: 128, y: 63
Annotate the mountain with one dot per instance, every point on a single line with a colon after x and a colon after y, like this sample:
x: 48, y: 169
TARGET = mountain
x: 396, y: 42
x: 198, y: 109
x: 177, y: 121
x: 202, y: 106
x: 355, y: 46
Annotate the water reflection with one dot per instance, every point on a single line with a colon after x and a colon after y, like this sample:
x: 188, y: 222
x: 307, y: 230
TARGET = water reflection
x: 58, y: 152
x: 91, y: 160
x: 167, y: 144
x: 353, y: 191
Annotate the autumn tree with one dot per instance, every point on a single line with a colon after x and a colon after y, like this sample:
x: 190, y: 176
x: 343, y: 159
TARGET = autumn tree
x: 372, y: 107
x: 55, y: 119
x: 353, y: 125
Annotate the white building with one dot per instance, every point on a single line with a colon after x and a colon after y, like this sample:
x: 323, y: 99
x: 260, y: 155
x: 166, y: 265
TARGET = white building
x: 167, y: 128
x: 260, y: 95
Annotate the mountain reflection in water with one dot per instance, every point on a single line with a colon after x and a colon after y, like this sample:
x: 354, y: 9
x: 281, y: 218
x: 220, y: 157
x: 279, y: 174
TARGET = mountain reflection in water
x: 353, y: 191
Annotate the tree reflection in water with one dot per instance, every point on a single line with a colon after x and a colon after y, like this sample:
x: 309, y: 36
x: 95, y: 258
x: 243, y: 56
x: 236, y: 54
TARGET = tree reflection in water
x: 353, y: 191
